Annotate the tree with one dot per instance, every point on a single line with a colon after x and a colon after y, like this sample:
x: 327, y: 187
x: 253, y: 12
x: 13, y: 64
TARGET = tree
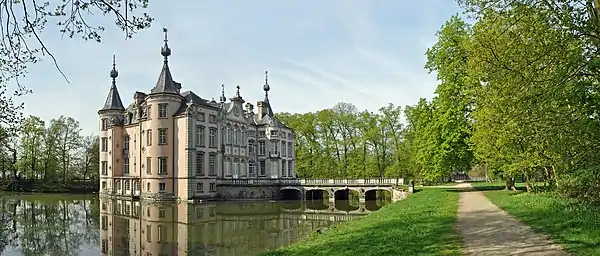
x: 24, y: 20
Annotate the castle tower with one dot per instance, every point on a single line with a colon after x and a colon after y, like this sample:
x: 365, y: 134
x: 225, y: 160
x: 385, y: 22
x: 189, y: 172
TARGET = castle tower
x: 111, y: 117
x: 164, y: 100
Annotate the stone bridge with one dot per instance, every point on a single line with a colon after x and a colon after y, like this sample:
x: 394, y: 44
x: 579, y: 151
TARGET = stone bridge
x: 341, y: 189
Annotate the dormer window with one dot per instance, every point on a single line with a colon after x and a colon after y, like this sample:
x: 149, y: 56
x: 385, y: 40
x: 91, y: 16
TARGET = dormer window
x: 162, y: 110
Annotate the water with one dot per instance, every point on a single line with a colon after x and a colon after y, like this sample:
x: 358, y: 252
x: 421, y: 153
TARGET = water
x: 86, y: 225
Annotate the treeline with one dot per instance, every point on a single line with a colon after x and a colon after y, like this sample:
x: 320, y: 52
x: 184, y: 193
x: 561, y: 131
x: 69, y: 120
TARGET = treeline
x: 518, y: 99
x: 53, y: 152
x: 343, y: 142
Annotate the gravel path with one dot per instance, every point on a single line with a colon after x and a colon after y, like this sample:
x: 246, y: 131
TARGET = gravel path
x: 487, y: 230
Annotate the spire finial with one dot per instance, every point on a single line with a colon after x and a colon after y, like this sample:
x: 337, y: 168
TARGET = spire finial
x: 223, y: 99
x: 266, y: 87
x: 237, y: 93
x: 165, y: 50
x: 114, y: 73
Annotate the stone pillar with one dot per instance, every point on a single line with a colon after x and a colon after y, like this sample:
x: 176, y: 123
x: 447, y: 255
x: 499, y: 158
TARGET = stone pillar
x: 331, y: 196
x: 361, y: 198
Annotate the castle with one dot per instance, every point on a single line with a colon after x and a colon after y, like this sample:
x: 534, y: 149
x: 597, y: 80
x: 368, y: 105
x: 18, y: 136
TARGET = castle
x: 169, y: 144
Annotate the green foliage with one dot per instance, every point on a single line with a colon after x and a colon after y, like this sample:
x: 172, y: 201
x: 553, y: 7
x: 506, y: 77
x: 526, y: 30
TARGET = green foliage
x: 56, y: 153
x: 342, y: 142
x: 22, y: 43
x: 518, y: 96
x: 422, y: 224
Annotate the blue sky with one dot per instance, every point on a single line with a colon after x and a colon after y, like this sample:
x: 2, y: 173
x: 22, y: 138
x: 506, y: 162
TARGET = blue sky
x: 318, y: 53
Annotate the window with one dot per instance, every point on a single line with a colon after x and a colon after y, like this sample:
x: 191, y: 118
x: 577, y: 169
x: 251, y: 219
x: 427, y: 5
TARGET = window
x: 289, y: 149
x: 104, y: 167
x: 283, y: 169
x: 274, y: 147
x: 200, y: 163
x: 228, y: 167
x: 149, y: 138
x: 262, y: 168
x: 162, y: 187
x: 211, y: 164
x: 229, y: 135
x: 261, y: 148
x: 283, y: 148
x: 104, y: 246
x: 212, y: 187
x: 199, y: 213
x: 149, y: 113
x: 251, y: 168
x: 162, y: 165
x: 243, y: 168
x: 162, y: 234
x: 104, y: 222
x: 104, y: 144
x: 251, y: 147
x: 104, y: 124
x: 126, y: 144
x: 212, y: 119
x: 200, y: 187
x: 200, y: 136
x: 273, y: 133
x: 212, y: 137
x: 148, y: 165
x: 162, y: 110
x: 149, y: 233
x: 235, y: 137
x: 126, y: 165
x: 148, y: 187
x: 104, y: 185
x: 201, y: 117
x: 162, y: 212
x: 162, y: 136
x: 127, y: 185
x: 290, y: 164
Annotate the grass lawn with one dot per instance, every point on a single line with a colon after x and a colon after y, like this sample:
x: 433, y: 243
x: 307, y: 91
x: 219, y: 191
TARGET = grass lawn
x: 574, y: 225
x: 422, y: 224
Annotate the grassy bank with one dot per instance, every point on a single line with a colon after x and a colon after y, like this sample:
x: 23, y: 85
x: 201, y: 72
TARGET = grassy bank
x: 422, y: 224
x: 573, y: 224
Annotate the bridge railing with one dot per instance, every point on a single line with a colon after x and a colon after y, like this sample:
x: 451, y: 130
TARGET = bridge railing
x: 371, y: 181
x: 313, y: 182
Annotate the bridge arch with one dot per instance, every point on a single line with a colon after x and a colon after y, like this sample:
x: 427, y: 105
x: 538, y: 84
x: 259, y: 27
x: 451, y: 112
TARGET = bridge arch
x: 374, y: 194
x: 346, y: 193
x: 317, y: 193
x: 290, y: 193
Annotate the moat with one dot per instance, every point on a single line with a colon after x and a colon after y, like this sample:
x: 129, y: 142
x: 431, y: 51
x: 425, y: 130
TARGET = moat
x: 88, y: 225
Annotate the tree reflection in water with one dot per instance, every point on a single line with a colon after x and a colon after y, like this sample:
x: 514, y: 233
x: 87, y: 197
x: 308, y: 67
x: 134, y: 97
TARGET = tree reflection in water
x: 48, y: 225
x: 81, y: 225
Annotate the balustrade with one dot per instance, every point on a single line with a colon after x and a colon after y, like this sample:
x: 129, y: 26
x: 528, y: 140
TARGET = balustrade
x: 314, y: 182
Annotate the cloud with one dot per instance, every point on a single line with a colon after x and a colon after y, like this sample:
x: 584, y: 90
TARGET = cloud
x: 318, y: 53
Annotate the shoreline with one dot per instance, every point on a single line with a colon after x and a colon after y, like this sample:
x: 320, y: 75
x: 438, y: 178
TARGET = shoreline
x: 422, y: 224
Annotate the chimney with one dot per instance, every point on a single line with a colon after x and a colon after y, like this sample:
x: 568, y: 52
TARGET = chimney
x: 177, y: 86
x: 249, y: 108
x: 259, y: 109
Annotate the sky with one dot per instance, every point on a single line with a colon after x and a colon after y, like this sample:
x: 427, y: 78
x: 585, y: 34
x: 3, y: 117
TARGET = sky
x: 318, y: 53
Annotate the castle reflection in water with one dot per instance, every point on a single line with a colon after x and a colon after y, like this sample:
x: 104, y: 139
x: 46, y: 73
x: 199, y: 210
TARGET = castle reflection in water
x: 226, y: 228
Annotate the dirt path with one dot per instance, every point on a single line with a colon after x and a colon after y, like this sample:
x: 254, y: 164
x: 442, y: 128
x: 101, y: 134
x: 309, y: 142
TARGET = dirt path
x: 487, y: 230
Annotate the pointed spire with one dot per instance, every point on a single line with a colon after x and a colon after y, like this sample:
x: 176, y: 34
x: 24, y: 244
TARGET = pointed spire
x: 223, y: 99
x: 113, y: 100
x: 165, y: 51
x: 266, y: 87
x: 267, y: 111
x: 237, y: 93
x: 165, y: 83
